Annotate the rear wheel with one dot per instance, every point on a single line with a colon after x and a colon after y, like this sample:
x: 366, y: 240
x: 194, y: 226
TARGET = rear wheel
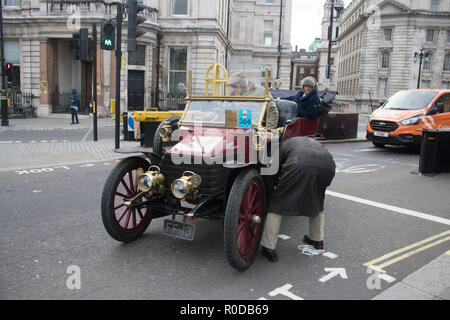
x: 244, y: 219
x: 124, y: 222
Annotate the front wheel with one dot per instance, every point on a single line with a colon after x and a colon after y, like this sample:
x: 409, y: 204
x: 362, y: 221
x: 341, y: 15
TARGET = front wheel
x: 124, y: 222
x: 378, y: 144
x: 244, y: 219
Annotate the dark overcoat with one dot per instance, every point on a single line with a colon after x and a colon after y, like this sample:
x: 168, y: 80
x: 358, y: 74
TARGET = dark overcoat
x: 307, y: 105
x: 307, y: 169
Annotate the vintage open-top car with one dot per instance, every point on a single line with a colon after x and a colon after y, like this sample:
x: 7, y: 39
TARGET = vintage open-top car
x: 217, y: 161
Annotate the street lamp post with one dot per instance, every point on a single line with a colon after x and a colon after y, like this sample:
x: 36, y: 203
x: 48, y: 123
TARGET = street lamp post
x: 330, y: 39
x: 4, y: 102
x: 420, y: 55
x: 330, y: 34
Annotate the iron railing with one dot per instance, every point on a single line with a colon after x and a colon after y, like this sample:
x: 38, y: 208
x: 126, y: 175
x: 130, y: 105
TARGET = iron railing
x: 18, y: 102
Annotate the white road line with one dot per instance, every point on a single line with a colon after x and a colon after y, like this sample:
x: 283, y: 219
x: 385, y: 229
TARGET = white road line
x: 390, y: 208
x: 85, y: 137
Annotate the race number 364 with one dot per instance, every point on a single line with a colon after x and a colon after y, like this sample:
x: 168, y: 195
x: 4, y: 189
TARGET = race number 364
x: 74, y: 280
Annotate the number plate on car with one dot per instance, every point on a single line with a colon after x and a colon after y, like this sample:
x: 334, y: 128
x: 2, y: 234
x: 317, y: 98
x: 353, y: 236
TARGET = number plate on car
x: 381, y: 134
x: 179, y: 229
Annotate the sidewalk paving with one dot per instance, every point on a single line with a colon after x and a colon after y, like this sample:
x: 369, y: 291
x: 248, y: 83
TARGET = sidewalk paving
x: 431, y: 282
x: 16, y: 156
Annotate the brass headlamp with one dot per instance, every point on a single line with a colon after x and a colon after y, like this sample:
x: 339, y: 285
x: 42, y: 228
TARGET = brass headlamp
x: 165, y: 132
x: 186, y: 187
x: 151, y: 181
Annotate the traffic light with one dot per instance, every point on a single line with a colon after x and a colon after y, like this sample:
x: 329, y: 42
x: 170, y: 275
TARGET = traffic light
x: 133, y: 21
x: 84, y: 44
x: 108, y: 36
x: 76, y: 45
x: 80, y: 44
x: 8, y: 70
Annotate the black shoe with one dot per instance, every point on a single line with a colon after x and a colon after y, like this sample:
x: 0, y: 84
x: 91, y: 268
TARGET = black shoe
x: 72, y: 123
x: 318, y: 245
x: 270, y: 254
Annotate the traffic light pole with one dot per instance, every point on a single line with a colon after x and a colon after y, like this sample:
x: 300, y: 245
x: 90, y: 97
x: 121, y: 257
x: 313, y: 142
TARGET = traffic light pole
x: 94, y: 111
x: 118, y: 66
x: 4, y: 102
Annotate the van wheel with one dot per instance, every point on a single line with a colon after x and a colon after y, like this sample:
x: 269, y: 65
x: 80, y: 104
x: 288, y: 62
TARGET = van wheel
x: 378, y: 144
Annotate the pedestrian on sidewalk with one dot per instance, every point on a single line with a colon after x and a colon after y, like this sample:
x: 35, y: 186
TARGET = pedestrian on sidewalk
x: 74, y: 104
x: 307, y: 169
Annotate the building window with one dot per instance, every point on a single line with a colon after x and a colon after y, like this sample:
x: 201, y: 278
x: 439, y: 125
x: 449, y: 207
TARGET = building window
x: 138, y: 57
x: 447, y: 62
x: 268, y: 1
x: 268, y: 27
x: 313, y: 71
x: 426, y: 84
x: 383, y: 88
x: 177, y: 67
x: 387, y: 34
x: 11, y: 3
x: 179, y: 7
x: 302, y: 70
x: 430, y: 35
x: 448, y: 35
x: 446, y: 85
x: 385, y: 60
x: 427, y: 61
x: 434, y: 5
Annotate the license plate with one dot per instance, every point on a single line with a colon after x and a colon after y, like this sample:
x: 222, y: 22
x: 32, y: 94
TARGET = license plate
x: 179, y: 229
x: 381, y: 134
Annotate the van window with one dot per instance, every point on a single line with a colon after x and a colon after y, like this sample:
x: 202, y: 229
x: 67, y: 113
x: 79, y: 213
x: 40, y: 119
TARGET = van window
x: 446, y: 100
x: 410, y: 100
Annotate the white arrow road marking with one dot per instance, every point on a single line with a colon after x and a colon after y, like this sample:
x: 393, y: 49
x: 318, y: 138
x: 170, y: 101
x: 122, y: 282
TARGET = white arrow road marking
x: 330, y: 255
x: 333, y: 272
x: 87, y: 165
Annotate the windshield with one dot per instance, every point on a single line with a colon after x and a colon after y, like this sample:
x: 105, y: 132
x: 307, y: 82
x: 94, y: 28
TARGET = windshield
x: 410, y: 100
x: 232, y: 114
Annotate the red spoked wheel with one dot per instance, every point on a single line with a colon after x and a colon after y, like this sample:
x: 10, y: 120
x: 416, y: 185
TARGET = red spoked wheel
x: 122, y: 220
x: 244, y: 219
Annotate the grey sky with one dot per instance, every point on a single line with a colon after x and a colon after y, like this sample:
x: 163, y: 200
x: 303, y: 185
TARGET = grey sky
x: 307, y: 18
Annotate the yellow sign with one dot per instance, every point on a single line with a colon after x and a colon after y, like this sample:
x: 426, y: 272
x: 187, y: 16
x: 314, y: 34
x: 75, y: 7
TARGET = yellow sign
x: 43, y: 87
x: 112, y: 106
x: 231, y: 118
x: 121, y: 62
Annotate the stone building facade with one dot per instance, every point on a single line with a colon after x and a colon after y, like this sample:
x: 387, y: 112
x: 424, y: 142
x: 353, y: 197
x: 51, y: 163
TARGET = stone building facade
x: 194, y: 34
x: 379, y: 44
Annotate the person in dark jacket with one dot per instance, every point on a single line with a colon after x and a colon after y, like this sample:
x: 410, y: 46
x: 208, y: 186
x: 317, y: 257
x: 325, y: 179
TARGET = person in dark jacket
x: 307, y: 99
x: 307, y: 169
x: 74, y: 103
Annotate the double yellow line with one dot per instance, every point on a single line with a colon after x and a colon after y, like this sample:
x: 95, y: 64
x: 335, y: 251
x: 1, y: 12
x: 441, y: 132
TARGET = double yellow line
x: 421, y: 244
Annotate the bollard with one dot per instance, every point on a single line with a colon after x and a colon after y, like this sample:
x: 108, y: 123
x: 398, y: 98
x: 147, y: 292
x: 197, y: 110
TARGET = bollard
x: 125, y: 126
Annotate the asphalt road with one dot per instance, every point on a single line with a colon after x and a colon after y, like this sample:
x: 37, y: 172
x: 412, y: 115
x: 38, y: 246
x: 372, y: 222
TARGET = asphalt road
x: 51, y: 224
